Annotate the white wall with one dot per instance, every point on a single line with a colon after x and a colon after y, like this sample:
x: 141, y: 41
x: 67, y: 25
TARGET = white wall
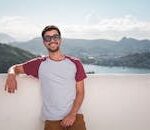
x: 112, y: 102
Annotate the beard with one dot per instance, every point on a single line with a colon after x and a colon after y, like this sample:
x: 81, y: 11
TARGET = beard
x: 53, y: 50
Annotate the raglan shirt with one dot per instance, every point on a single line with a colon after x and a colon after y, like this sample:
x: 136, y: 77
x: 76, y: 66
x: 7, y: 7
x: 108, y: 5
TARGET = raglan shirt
x: 58, y: 84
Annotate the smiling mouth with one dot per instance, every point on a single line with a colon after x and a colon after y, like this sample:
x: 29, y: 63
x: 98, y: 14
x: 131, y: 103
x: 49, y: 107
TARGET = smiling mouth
x: 53, y: 43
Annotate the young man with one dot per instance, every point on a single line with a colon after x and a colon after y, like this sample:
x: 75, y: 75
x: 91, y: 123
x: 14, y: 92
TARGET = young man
x: 62, y: 82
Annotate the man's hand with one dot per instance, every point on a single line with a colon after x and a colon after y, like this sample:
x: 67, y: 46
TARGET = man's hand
x: 68, y: 120
x: 11, y: 83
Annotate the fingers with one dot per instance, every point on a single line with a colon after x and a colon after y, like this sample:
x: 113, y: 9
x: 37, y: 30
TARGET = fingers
x: 11, y: 89
x: 68, y: 121
x: 11, y: 86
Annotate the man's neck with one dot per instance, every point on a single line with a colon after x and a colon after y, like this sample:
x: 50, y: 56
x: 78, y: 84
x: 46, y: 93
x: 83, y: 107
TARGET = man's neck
x: 57, y: 56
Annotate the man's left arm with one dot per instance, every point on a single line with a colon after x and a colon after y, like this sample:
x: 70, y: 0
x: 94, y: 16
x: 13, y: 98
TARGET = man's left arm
x: 71, y: 117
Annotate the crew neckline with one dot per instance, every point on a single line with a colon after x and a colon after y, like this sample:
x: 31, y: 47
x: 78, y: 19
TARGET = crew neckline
x: 48, y: 57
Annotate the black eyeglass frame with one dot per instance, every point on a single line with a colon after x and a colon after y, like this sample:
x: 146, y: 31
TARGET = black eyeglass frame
x: 48, y: 38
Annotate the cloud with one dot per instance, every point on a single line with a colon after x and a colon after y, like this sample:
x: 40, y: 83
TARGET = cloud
x: 21, y: 28
x: 112, y: 28
x: 92, y: 18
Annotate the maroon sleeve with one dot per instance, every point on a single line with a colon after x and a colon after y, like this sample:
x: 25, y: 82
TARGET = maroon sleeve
x: 31, y: 67
x: 80, y: 74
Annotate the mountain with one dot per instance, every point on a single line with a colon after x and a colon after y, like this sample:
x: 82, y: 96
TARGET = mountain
x: 11, y: 55
x: 99, y: 48
x: 126, y: 52
x: 76, y: 47
x: 5, y: 38
x: 138, y: 60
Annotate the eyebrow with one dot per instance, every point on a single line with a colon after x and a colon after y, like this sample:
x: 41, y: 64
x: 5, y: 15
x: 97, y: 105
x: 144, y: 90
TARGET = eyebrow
x: 52, y: 35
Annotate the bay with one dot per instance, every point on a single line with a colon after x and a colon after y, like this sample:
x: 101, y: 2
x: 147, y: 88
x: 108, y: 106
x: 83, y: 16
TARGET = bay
x: 95, y: 69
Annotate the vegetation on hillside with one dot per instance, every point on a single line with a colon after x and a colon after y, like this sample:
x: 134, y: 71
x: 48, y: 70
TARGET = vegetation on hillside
x: 12, y: 55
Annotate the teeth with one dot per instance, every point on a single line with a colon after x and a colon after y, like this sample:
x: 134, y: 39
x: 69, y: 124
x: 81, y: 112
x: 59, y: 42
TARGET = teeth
x: 52, y: 43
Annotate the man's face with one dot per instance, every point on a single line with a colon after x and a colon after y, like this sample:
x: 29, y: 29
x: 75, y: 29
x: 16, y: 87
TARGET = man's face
x: 52, y: 40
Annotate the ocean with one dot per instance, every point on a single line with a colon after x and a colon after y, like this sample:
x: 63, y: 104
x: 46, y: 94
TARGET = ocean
x: 104, y: 69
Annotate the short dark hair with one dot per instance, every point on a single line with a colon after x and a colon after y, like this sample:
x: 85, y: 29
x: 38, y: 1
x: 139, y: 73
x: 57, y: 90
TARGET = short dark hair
x: 49, y: 28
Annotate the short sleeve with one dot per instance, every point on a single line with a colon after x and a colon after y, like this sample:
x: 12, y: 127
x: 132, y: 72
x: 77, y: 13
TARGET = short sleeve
x: 80, y: 74
x: 31, y: 67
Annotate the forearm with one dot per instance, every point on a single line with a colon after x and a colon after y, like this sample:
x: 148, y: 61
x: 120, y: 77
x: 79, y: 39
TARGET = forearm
x: 79, y: 97
x: 71, y: 117
x: 77, y: 103
x: 11, y: 83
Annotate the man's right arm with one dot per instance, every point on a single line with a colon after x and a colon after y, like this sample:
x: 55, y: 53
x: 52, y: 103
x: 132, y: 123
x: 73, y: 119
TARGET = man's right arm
x: 11, y: 83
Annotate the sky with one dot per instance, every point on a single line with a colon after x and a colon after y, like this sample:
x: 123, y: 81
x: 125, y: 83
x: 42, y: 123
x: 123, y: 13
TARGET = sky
x: 85, y: 19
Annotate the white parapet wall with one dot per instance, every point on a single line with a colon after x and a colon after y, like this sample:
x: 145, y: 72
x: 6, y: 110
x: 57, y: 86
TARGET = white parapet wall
x: 112, y: 102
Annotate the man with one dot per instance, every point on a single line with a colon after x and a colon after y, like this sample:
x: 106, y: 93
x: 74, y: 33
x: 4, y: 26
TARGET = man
x: 62, y: 82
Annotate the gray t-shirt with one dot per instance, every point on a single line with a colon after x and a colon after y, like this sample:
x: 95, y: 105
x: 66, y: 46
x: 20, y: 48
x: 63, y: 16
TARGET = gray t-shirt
x: 58, y: 84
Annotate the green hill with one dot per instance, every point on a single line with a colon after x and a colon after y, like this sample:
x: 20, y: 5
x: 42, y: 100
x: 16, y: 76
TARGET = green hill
x: 12, y: 55
x: 137, y: 60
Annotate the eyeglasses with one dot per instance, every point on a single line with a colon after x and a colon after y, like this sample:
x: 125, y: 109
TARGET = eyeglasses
x: 48, y: 38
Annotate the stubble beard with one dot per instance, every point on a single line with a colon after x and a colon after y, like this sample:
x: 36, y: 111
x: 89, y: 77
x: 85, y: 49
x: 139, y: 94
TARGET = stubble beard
x: 52, y: 51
